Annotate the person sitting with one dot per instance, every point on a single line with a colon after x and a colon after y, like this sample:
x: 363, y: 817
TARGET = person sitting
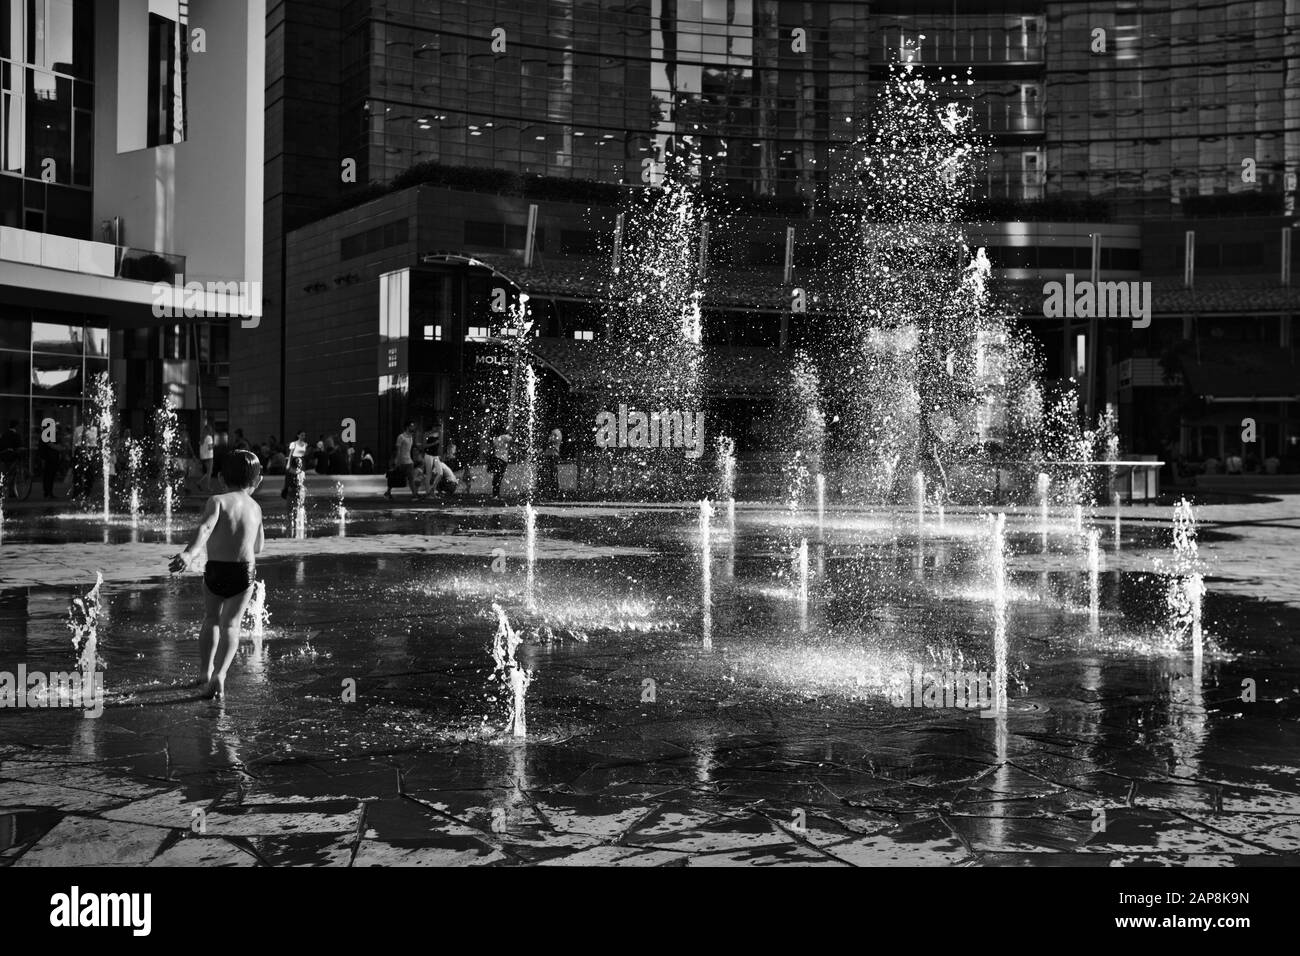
x: 458, y: 466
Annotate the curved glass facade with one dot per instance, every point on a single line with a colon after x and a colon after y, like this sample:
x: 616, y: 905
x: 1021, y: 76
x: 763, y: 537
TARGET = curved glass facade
x: 1166, y: 106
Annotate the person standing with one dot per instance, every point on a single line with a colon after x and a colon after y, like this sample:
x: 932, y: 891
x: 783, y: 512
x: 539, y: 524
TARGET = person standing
x: 403, y: 464
x: 500, y: 461
x: 50, y: 455
x: 85, y: 440
x: 297, y: 452
x: 548, y: 484
x: 207, y: 447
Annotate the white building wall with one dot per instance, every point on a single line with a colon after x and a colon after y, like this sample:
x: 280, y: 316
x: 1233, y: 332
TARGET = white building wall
x: 201, y: 198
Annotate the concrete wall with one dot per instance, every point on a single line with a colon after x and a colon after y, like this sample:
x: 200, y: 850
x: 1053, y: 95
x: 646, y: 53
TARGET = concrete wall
x: 201, y: 198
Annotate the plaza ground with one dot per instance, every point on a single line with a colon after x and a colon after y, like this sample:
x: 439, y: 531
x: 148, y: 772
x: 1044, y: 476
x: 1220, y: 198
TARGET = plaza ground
x: 769, y: 739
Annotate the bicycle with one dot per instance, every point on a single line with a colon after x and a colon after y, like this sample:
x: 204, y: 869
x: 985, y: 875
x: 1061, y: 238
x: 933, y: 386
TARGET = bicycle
x: 16, y: 467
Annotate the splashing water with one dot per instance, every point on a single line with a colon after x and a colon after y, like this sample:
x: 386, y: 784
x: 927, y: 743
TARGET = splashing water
x: 83, y: 622
x: 1185, y: 592
x: 1078, y: 518
x: 340, y: 509
x: 511, y: 678
x: 821, y: 500
x: 920, y: 499
x: 256, y: 616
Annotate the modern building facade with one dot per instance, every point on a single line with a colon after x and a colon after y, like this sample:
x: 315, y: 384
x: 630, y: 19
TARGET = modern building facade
x: 416, y: 134
x: 131, y: 155
x: 131, y: 136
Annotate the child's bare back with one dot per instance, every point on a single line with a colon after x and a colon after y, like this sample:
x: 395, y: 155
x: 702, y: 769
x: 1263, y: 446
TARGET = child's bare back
x: 237, y: 535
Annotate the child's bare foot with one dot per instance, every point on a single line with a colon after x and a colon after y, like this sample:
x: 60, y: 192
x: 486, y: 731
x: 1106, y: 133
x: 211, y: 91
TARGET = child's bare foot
x: 216, y: 689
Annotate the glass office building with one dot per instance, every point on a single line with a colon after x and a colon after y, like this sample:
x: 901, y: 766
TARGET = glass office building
x: 47, y: 115
x: 755, y: 93
x: 1143, y: 122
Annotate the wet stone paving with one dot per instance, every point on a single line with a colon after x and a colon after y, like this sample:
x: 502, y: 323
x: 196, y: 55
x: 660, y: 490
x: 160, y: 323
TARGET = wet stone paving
x: 694, y: 700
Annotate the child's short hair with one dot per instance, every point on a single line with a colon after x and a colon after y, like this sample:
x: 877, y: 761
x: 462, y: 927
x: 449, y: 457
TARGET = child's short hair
x: 241, y: 470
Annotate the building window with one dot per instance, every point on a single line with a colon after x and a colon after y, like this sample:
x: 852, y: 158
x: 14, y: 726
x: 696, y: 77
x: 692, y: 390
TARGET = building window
x: 433, y: 333
x: 583, y: 335
x: 477, y: 333
x: 167, y: 68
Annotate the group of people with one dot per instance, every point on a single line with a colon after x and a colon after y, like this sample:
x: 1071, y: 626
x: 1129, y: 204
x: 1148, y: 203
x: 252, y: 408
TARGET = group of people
x: 418, y: 464
x: 328, y: 455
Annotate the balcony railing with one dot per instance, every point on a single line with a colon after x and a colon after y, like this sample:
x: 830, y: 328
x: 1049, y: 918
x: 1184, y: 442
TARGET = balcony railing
x: 960, y: 46
x: 88, y: 258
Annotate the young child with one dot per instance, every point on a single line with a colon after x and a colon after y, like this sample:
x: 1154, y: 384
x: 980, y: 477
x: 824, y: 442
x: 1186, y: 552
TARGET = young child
x: 231, y: 528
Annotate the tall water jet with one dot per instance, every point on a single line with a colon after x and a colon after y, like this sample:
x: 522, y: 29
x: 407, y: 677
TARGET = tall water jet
x: 530, y: 428
x: 920, y: 499
x: 134, y: 457
x: 166, y: 451
x: 530, y: 554
x: 298, y: 504
x: 1186, y: 589
x: 340, y: 507
x: 654, y: 300
x: 1078, y: 518
x: 511, y: 678
x: 1195, y: 598
x: 102, y: 403
x: 706, y: 574
x: 1118, y: 519
x: 1044, y: 482
x: 801, y: 571
x: 998, y: 575
x: 821, y: 500
x: 1094, y: 576
x: 939, y: 514
x: 726, y: 467
x: 803, y: 421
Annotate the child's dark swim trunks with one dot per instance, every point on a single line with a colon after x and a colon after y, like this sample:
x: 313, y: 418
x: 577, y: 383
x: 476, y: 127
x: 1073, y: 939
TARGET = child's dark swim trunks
x: 225, y: 579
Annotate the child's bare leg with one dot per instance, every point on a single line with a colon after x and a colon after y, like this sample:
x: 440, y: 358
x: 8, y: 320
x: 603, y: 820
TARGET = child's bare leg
x: 230, y: 620
x: 208, y: 634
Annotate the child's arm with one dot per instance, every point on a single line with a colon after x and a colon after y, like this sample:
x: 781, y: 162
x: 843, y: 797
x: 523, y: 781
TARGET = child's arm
x: 211, y: 512
x: 261, y: 536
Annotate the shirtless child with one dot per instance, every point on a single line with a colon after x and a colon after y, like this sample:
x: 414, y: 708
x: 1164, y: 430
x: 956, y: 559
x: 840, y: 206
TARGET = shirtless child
x: 232, y: 530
